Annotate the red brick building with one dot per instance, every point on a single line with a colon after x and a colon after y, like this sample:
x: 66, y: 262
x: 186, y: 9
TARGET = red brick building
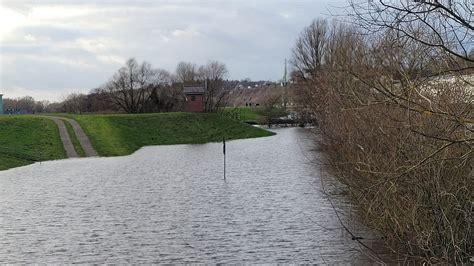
x: 194, y: 98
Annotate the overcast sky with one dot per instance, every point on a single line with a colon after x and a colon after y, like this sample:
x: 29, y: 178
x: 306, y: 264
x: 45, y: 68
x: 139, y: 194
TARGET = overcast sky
x: 51, y: 48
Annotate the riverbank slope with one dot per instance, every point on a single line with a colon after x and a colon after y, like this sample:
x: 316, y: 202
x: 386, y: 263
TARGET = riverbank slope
x: 122, y: 134
x: 27, y: 139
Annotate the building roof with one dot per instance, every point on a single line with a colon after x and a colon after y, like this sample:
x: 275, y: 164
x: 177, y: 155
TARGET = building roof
x: 193, y: 90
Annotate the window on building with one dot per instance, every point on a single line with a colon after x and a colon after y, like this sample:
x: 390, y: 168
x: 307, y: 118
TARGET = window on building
x: 193, y: 98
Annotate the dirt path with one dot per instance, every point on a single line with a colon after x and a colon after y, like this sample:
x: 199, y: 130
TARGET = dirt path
x: 82, y: 137
x: 65, y: 139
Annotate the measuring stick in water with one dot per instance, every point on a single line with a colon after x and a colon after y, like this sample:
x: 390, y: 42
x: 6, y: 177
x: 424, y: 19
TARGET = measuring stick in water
x: 223, y: 150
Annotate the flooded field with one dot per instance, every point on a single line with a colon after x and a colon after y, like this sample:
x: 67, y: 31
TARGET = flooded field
x: 170, y: 204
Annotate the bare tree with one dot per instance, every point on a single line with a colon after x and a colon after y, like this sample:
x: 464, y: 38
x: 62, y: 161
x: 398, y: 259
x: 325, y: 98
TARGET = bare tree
x: 166, y: 98
x: 272, y: 109
x: 74, y: 103
x: 40, y: 106
x: 309, y: 51
x: 53, y: 107
x: 24, y: 104
x: 448, y: 24
x: 312, y: 54
x: 186, y: 72
x: 131, y: 86
x: 100, y: 100
x: 213, y: 74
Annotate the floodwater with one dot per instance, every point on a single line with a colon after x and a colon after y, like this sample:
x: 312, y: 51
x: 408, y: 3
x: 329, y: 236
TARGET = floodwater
x: 170, y: 204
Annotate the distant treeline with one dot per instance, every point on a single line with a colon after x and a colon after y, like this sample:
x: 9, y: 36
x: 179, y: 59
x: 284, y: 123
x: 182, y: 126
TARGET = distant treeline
x: 27, y: 105
x: 140, y: 88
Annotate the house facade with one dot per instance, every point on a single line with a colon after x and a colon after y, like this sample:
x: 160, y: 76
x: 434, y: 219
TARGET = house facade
x: 195, y: 100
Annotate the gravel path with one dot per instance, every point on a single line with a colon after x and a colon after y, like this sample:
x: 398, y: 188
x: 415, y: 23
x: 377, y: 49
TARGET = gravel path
x: 65, y: 139
x: 82, y: 137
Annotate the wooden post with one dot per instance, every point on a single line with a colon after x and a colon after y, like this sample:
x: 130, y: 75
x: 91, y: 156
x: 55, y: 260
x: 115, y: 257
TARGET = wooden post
x: 223, y: 150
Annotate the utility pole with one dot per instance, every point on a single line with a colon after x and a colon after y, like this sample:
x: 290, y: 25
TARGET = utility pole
x: 1, y: 104
x: 284, y: 84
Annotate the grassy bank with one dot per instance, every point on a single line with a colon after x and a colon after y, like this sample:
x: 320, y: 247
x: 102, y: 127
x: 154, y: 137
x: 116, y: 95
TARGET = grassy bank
x: 255, y: 115
x: 244, y: 113
x: 27, y: 139
x: 113, y: 135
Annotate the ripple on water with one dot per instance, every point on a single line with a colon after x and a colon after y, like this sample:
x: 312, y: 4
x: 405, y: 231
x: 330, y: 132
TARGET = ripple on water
x: 169, y: 204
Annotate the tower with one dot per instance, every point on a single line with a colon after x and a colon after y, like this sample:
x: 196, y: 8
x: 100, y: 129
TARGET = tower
x: 284, y: 83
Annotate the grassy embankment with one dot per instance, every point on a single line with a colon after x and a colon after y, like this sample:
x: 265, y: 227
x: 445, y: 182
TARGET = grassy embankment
x: 245, y: 114
x: 113, y: 135
x: 27, y: 139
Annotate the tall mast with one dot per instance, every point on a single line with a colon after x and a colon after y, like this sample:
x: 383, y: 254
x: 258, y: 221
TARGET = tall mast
x: 1, y: 104
x: 284, y: 84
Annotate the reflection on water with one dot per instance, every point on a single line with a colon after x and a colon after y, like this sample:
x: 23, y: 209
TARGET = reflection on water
x: 170, y: 204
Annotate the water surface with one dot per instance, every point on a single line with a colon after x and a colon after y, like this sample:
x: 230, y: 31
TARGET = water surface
x: 170, y: 204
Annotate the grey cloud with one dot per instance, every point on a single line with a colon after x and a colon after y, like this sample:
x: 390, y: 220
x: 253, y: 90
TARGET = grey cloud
x: 252, y: 37
x: 54, y: 33
x: 41, y: 74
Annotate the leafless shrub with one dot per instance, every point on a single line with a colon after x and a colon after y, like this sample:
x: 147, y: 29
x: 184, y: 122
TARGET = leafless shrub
x: 397, y: 138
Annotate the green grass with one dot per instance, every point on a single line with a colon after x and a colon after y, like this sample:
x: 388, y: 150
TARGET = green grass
x: 27, y: 139
x: 75, y: 142
x: 244, y: 113
x: 113, y: 135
